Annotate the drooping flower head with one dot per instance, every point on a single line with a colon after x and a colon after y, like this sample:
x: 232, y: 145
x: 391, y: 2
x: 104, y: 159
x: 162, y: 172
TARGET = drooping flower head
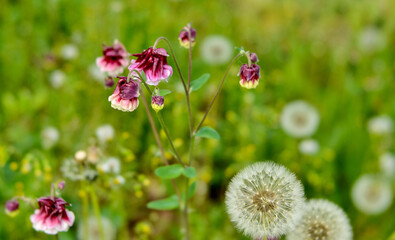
x: 249, y: 76
x: 184, y: 36
x: 157, y: 102
x: 12, y: 207
x: 264, y: 200
x: 299, y: 119
x: 372, y: 194
x: 125, y: 96
x: 52, y: 216
x: 322, y: 220
x: 115, y: 59
x: 153, y: 61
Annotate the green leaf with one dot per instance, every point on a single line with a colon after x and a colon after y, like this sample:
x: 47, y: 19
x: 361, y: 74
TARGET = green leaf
x: 165, y: 204
x: 191, y: 191
x: 208, y: 132
x: 169, y: 172
x: 189, y: 172
x: 198, y: 83
x: 164, y: 92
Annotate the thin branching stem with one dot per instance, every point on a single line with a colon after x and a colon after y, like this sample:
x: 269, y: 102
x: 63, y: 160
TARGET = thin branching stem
x: 217, y: 93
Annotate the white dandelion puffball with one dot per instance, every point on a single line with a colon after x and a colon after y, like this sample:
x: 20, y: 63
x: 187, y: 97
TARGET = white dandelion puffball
x: 69, y: 51
x: 264, y: 200
x: 105, y: 133
x: 387, y: 164
x: 381, y: 125
x: 49, y: 137
x: 371, y: 39
x: 299, y: 119
x: 322, y: 220
x: 112, y: 165
x: 57, y: 78
x: 372, y: 194
x: 216, y: 50
x: 309, y: 147
x: 96, y: 73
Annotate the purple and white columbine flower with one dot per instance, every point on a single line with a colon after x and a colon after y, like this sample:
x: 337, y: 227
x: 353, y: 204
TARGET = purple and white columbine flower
x: 115, y: 59
x: 249, y: 76
x: 153, y: 62
x: 184, y: 36
x: 52, y: 217
x: 125, y: 96
x: 157, y: 102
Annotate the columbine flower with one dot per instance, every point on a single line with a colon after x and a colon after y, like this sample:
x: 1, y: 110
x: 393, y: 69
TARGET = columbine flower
x: 125, y: 96
x: 157, y: 102
x: 12, y: 207
x: 264, y: 200
x: 49, y: 137
x: 105, y: 133
x: 57, y: 79
x: 114, y: 60
x: 153, y: 62
x: 387, y: 164
x: 112, y: 164
x: 249, y: 76
x: 381, y: 125
x: 184, y: 36
x: 216, y: 50
x: 309, y: 147
x: 322, y: 220
x: 299, y: 119
x: 372, y: 194
x: 52, y: 217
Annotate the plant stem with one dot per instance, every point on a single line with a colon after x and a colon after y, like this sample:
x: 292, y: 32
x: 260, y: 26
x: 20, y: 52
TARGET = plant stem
x: 85, y: 204
x: 216, y: 94
x: 57, y: 236
x: 96, y: 210
x: 163, y: 156
x: 185, y: 210
x: 162, y: 123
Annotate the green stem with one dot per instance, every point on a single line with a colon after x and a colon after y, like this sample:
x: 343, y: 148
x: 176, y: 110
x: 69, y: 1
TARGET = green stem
x: 96, y: 210
x: 85, y: 212
x: 185, y: 210
x: 57, y: 236
x: 216, y: 94
x: 162, y: 123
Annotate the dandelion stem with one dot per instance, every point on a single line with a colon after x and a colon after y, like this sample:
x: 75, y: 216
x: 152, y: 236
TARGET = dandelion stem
x: 216, y: 94
x: 162, y: 123
x: 96, y: 210
x: 85, y: 204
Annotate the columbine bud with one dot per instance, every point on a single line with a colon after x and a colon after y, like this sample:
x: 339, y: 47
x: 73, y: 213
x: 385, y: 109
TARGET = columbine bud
x: 249, y: 76
x: 184, y: 36
x: 109, y: 82
x: 157, y: 102
x: 11, y: 207
x: 61, y: 185
x: 253, y: 57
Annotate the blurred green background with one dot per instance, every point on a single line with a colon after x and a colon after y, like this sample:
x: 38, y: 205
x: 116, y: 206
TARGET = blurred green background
x: 311, y: 50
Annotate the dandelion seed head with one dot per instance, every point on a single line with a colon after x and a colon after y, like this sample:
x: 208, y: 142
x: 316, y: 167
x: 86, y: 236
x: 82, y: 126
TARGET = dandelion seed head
x: 322, y: 220
x: 216, y: 50
x: 264, y: 199
x: 309, y: 147
x: 381, y: 125
x: 299, y: 119
x: 387, y: 164
x: 372, y: 194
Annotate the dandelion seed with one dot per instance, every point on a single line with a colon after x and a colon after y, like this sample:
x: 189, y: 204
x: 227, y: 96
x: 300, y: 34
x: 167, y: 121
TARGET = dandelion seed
x: 322, y: 220
x: 309, y: 147
x: 69, y: 51
x: 387, y: 164
x: 264, y: 200
x: 52, y: 217
x: 299, y: 119
x: 216, y: 50
x: 57, y: 79
x: 49, y: 137
x: 105, y: 133
x: 381, y: 125
x: 372, y: 194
